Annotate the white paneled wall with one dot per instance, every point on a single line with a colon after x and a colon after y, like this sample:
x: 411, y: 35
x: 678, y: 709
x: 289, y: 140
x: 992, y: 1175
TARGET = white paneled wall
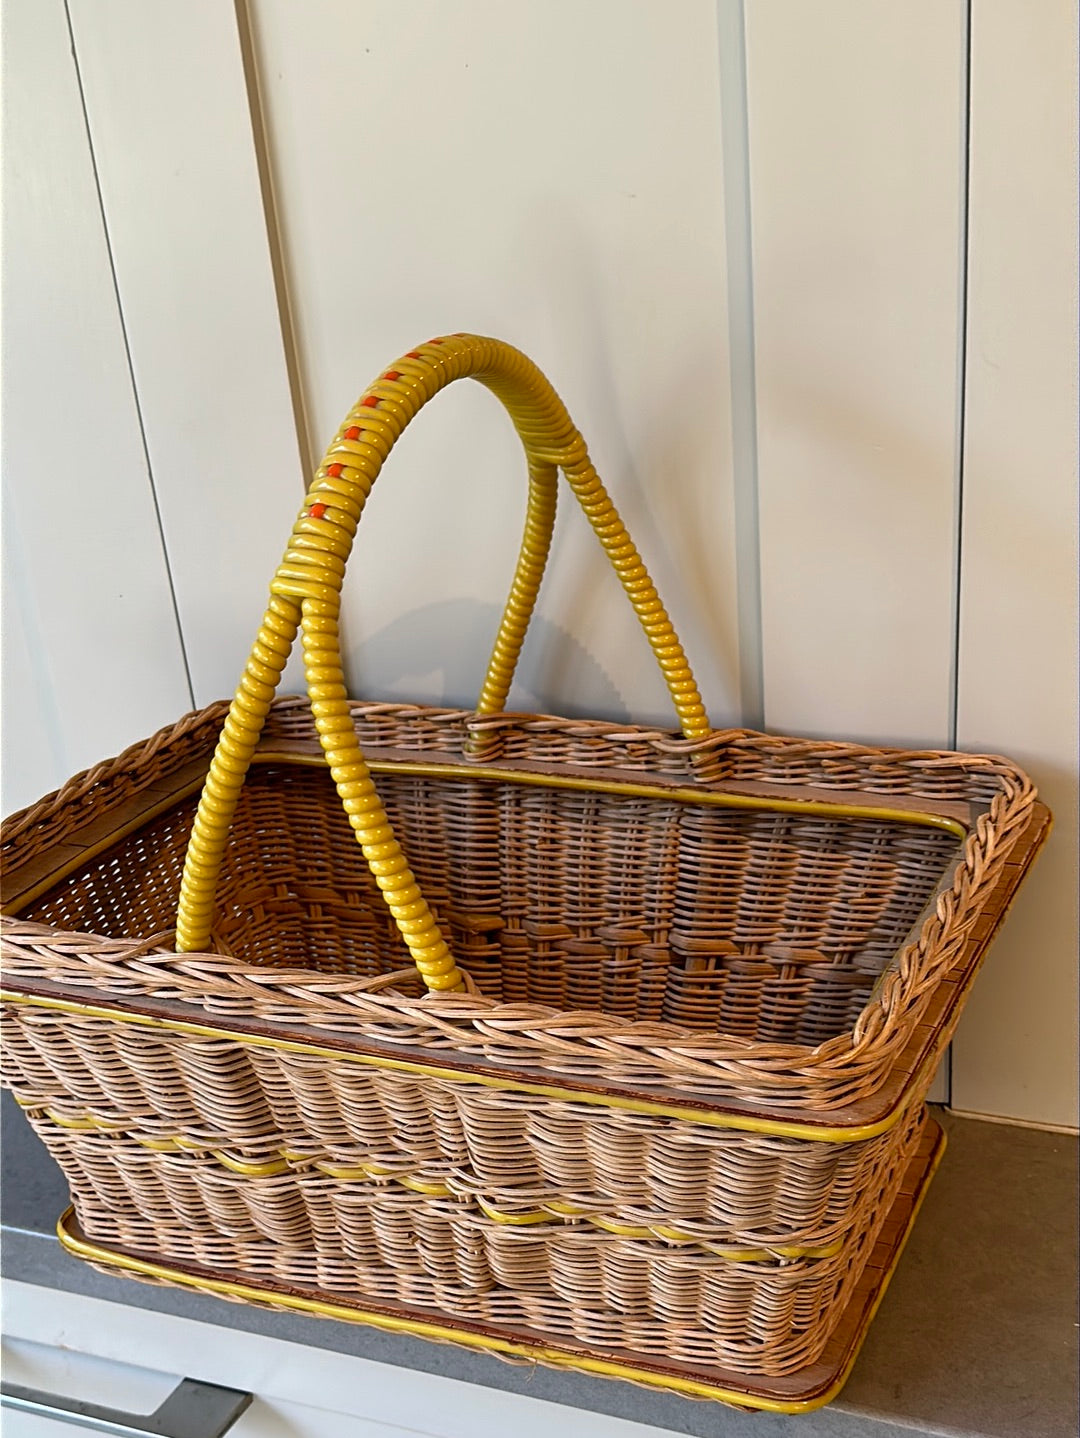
x: 92, y: 654
x: 856, y: 124
x: 550, y: 173
x: 741, y: 246
x: 181, y: 198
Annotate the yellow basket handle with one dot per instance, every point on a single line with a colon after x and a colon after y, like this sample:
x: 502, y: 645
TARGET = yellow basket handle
x: 306, y: 592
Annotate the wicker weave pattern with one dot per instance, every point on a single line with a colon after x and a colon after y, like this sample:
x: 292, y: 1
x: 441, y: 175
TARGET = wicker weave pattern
x: 592, y: 923
x: 515, y: 1153
x: 373, y: 1241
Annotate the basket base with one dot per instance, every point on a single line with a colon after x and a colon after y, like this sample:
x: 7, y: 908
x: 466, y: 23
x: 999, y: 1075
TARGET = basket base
x: 799, y: 1392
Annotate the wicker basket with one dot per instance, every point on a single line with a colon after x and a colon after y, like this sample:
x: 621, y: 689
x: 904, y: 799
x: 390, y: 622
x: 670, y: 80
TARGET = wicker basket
x: 624, y: 1070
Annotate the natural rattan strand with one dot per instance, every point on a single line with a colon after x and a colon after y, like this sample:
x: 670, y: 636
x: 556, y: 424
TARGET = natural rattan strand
x: 399, y: 1187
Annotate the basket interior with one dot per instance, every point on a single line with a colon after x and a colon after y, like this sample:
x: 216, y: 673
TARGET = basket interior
x: 761, y: 925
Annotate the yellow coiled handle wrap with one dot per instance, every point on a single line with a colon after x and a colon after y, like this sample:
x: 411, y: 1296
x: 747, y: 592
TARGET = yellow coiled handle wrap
x: 306, y: 593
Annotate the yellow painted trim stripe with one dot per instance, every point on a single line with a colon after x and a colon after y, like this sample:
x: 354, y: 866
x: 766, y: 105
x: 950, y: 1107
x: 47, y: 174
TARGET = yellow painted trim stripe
x: 554, y: 1212
x: 433, y: 769
x: 268, y: 1168
x: 743, y: 1123
x: 83, y: 1248
x: 735, y: 1254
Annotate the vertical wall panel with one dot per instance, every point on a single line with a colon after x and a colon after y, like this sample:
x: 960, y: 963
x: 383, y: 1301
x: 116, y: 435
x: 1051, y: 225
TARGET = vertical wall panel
x: 856, y: 123
x: 856, y: 111
x: 1015, y: 1052
x: 92, y: 656
x: 550, y: 173
x: 171, y: 129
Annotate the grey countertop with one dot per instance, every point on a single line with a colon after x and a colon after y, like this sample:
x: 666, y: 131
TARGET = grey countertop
x: 976, y: 1335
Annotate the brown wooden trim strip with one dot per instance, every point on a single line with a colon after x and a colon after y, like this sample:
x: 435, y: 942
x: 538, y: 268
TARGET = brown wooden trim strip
x: 22, y: 883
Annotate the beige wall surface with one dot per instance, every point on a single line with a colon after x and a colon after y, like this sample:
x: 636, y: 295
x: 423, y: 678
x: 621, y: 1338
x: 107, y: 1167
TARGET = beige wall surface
x: 1015, y: 1053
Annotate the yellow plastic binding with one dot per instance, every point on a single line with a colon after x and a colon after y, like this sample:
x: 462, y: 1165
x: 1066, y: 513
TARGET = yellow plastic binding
x: 305, y: 594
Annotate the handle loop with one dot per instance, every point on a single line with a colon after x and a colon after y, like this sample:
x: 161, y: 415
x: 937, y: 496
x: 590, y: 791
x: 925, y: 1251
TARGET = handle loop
x: 305, y: 593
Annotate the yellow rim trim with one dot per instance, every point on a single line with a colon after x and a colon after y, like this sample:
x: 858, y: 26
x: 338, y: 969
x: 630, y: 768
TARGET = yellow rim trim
x: 743, y: 1123
x: 83, y: 1248
x: 661, y: 1231
x: 433, y: 769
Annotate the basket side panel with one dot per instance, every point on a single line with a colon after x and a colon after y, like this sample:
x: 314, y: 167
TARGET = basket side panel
x: 513, y: 1153
x: 373, y: 1239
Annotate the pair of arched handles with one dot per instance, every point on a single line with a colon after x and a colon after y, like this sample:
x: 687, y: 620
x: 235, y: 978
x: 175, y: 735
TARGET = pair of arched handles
x: 305, y: 594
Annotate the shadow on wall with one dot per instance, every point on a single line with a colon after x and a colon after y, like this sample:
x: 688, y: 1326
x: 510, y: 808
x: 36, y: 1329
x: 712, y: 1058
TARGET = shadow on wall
x: 657, y: 452
x: 437, y: 654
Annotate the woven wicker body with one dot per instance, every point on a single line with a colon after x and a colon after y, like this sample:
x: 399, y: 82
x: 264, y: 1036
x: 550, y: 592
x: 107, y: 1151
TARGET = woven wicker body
x: 694, y: 989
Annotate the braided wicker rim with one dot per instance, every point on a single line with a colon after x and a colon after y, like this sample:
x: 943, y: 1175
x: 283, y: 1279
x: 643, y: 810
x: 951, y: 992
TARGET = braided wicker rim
x: 848, y: 1067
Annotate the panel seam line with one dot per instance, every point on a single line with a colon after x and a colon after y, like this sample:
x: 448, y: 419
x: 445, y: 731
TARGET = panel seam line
x: 128, y: 357
x: 961, y: 384
x: 739, y: 262
x: 274, y: 242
